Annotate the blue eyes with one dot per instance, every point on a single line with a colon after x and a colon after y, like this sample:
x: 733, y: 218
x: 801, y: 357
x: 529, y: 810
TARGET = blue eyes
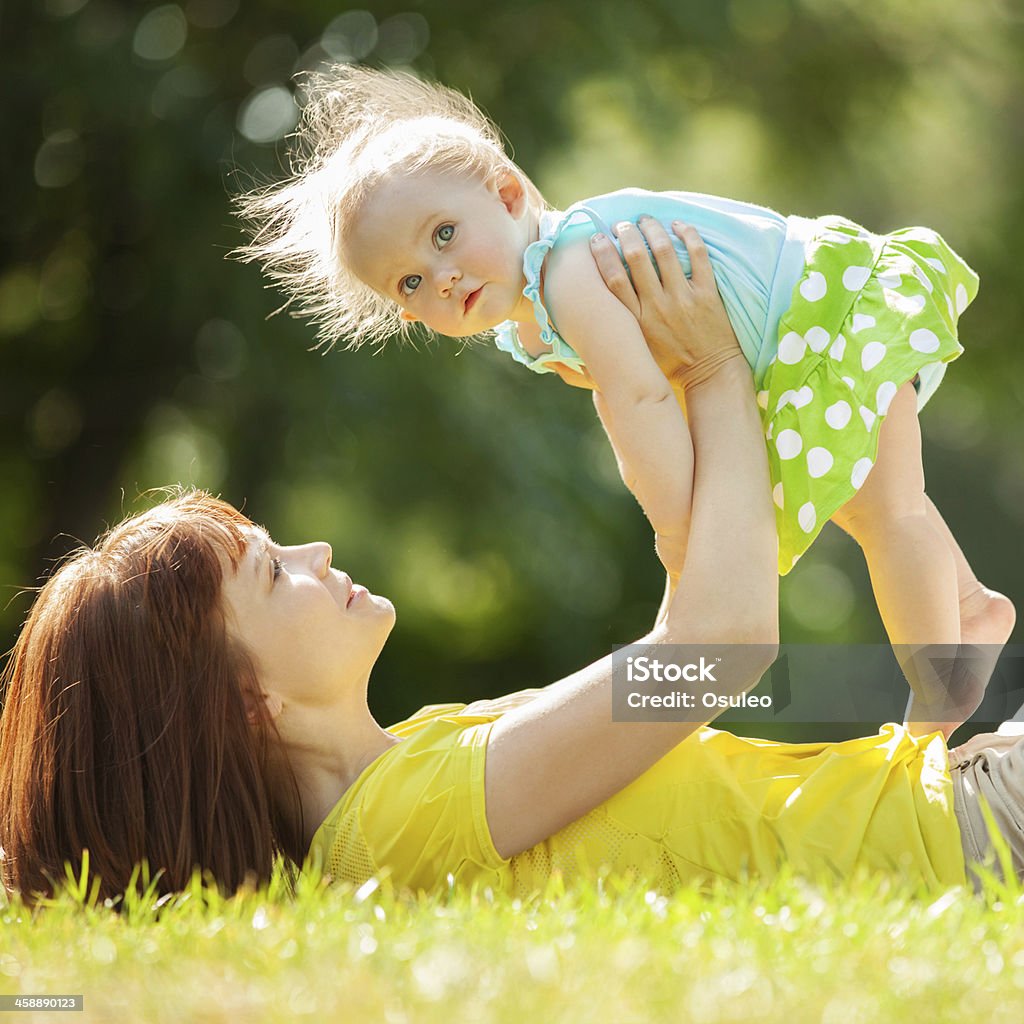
x: 278, y: 567
x: 409, y: 284
x: 442, y: 236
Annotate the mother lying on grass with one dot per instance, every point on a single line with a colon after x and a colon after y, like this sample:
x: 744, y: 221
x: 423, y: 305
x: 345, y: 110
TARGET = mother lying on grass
x: 191, y: 693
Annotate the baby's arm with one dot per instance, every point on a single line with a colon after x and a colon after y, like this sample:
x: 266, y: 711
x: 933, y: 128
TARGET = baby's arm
x: 634, y: 400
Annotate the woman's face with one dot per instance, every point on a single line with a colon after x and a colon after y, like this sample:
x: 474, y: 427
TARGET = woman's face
x: 312, y: 633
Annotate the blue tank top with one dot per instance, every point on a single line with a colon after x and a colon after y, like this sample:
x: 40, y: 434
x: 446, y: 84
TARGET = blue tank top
x: 757, y: 256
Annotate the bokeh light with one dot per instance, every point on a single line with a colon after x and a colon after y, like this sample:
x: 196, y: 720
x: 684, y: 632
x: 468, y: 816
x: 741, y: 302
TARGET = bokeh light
x: 59, y: 159
x: 819, y: 596
x: 350, y: 36
x: 161, y: 33
x: 268, y: 114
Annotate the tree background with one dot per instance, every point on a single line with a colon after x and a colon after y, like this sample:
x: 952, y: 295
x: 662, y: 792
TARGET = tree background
x: 482, y: 499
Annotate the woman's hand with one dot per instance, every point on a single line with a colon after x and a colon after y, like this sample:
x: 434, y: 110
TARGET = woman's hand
x: 683, y: 320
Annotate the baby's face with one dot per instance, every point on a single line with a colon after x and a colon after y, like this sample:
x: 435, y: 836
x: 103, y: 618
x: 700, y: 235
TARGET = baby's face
x: 448, y: 249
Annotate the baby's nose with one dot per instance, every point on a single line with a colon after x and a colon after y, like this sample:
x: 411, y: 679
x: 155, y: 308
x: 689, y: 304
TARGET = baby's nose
x: 446, y: 279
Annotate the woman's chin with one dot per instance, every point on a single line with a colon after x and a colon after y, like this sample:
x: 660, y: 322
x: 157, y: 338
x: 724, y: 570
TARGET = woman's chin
x: 385, y: 609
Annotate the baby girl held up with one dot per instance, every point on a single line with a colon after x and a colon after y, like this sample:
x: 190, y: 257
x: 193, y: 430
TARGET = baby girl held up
x: 404, y: 208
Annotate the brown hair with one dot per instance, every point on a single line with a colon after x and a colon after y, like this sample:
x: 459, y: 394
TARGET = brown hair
x: 124, y: 731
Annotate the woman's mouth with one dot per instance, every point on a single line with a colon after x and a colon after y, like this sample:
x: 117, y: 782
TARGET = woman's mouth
x: 354, y: 594
x: 471, y: 298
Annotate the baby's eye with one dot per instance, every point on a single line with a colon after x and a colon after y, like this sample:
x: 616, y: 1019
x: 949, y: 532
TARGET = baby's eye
x: 409, y: 284
x: 444, y: 234
x: 278, y: 567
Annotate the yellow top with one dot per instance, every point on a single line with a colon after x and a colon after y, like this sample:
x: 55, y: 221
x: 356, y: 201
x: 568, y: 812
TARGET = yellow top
x: 714, y: 806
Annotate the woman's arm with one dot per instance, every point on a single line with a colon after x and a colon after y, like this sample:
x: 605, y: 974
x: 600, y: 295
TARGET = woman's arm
x: 556, y: 758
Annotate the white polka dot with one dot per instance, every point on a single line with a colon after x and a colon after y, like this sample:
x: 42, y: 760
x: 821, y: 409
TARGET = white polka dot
x: 838, y: 415
x: 848, y: 381
x: 854, y: 278
x: 838, y: 348
x: 872, y: 354
x: 950, y: 307
x: 802, y: 397
x: 784, y: 398
x: 762, y: 399
x: 923, y: 278
x: 789, y: 443
x: 937, y: 264
x: 814, y: 286
x: 819, y: 462
x: 817, y: 339
x: 961, y: 298
x: 807, y: 517
x: 890, y: 279
x: 912, y: 303
x: 861, y: 321
x: 777, y: 496
x: 867, y: 416
x: 923, y: 340
x: 883, y: 396
x: 861, y: 468
x: 791, y: 349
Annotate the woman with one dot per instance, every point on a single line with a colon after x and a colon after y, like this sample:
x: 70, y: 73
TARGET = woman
x: 193, y: 694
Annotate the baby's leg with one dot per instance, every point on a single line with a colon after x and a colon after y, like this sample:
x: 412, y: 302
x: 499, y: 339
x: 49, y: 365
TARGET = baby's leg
x: 987, y: 617
x: 913, y: 572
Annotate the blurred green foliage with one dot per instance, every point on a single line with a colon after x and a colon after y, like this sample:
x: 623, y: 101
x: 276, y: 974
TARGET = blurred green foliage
x: 482, y: 499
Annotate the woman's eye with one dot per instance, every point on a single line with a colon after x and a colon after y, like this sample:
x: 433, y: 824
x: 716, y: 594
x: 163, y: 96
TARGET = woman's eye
x: 278, y: 567
x: 444, y: 234
x: 409, y: 284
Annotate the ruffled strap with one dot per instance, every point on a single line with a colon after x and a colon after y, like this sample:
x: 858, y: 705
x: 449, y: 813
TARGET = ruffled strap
x: 506, y: 335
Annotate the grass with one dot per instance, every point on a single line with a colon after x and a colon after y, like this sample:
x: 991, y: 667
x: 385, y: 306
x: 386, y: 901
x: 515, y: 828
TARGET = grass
x: 791, y: 951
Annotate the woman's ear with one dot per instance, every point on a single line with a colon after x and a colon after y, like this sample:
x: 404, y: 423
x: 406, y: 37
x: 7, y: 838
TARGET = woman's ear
x: 272, y: 704
x: 511, y: 191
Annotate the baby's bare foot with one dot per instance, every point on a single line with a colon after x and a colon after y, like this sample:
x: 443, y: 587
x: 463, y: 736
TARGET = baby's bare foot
x: 958, y: 685
x: 986, y: 618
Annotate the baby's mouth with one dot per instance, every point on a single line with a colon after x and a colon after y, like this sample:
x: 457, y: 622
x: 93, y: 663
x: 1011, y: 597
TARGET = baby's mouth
x: 471, y: 298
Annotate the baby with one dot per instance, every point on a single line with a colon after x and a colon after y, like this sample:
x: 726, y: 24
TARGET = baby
x: 404, y: 208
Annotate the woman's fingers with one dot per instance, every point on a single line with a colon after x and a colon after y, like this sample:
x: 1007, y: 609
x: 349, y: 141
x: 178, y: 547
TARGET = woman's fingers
x: 637, y: 256
x: 670, y: 270
x: 616, y: 279
x: 701, y: 274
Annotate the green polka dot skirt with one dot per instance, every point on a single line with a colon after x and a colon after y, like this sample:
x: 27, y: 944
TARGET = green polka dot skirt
x: 871, y: 313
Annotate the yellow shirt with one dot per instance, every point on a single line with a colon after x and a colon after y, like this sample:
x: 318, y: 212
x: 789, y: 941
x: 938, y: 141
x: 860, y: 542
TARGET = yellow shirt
x: 714, y: 806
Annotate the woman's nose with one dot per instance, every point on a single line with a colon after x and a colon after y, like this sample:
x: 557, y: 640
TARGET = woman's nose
x: 315, y: 557
x: 322, y: 555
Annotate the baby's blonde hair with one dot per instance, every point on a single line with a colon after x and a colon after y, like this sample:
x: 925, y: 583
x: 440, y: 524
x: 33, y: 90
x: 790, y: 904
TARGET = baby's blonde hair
x: 358, y: 125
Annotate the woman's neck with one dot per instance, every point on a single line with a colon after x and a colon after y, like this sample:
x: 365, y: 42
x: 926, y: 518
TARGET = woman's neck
x: 328, y: 751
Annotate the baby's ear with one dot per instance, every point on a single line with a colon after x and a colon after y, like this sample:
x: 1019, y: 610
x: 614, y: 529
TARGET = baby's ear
x: 409, y: 318
x: 511, y: 192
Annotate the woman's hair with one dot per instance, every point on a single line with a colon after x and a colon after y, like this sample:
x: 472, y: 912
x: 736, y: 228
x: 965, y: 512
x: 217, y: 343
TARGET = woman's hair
x: 359, y: 125
x: 124, y: 731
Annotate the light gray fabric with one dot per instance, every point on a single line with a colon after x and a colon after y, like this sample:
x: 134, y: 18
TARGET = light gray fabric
x: 989, y: 768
